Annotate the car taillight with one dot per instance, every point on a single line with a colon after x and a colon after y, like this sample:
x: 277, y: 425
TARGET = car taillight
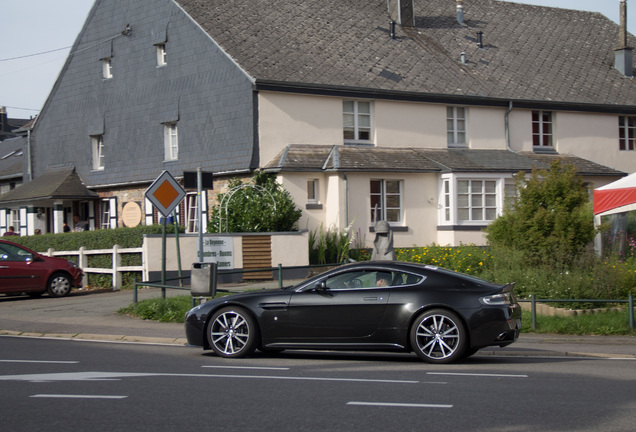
x: 504, y: 298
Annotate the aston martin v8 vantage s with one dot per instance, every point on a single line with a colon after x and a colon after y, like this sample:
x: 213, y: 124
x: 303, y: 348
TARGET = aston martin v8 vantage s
x: 439, y: 314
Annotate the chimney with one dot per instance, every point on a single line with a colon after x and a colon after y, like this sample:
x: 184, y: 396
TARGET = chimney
x: 4, y: 123
x: 460, y: 11
x: 623, y: 54
x: 402, y: 12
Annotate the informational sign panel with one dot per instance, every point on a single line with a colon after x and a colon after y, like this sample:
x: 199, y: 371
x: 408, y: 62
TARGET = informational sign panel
x: 131, y: 214
x: 165, y: 193
x: 219, y: 250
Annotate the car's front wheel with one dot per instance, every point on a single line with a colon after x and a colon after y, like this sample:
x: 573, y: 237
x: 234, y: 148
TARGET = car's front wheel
x: 59, y: 285
x: 438, y: 336
x: 232, y: 332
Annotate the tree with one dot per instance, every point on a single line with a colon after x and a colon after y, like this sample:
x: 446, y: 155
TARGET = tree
x: 550, y: 221
x: 261, y: 205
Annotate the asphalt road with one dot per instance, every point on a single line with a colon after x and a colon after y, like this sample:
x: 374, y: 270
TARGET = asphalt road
x: 73, y: 386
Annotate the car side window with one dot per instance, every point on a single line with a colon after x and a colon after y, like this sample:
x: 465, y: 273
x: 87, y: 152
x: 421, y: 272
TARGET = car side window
x: 400, y: 278
x: 363, y: 279
x: 12, y: 253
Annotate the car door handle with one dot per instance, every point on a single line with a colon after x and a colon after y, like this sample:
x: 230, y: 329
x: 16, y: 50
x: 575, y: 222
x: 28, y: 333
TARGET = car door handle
x: 4, y: 266
x: 370, y: 299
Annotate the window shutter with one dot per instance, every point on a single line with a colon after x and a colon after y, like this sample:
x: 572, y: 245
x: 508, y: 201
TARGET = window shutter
x: 148, y: 212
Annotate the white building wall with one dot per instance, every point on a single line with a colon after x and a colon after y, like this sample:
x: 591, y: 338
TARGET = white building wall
x: 297, y: 119
x: 486, y: 128
x: 408, y: 124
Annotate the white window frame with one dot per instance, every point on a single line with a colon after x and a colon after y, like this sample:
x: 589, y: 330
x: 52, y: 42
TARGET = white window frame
x: 97, y: 144
x: 191, y: 212
x: 357, y: 121
x: 450, y: 201
x: 171, y: 141
x: 539, y: 129
x: 14, y: 220
x: 313, y: 188
x: 626, y: 133
x: 456, y: 126
x: 161, y: 54
x: 386, y: 205
x: 107, y: 68
x: 108, y: 213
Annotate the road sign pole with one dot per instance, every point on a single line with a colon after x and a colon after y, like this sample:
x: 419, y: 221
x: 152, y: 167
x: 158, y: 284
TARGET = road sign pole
x: 163, y: 258
x: 200, y: 213
x: 176, y: 237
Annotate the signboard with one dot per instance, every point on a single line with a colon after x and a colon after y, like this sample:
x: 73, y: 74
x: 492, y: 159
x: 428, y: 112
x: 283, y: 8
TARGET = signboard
x: 131, y: 214
x: 165, y: 193
x: 219, y: 250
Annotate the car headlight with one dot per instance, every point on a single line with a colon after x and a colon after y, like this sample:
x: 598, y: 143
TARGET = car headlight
x: 497, y: 299
x: 72, y: 263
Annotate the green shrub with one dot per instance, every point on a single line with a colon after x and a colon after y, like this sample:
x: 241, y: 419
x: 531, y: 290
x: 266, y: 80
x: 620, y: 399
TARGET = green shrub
x: 330, y: 246
x: 550, y: 221
x: 260, y: 206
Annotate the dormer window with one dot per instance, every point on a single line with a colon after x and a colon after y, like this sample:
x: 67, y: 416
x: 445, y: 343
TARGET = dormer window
x: 161, y: 54
x: 171, y: 141
x: 107, y: 68
x: 97, y: 143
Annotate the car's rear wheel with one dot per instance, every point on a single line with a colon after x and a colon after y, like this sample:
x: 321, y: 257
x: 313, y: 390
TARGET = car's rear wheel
x: 59, y: 285
x: 232, y: 333
x: 438, y: 336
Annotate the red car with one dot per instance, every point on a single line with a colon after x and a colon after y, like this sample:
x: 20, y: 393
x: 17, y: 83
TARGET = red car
x: 25, y: 271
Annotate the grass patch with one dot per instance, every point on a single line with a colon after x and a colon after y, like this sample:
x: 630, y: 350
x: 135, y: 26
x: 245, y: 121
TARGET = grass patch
x: 610, y: 323
x: 171, y: 309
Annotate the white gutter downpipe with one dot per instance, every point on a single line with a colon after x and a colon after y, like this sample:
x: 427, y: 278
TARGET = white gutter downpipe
x: 507, y: 121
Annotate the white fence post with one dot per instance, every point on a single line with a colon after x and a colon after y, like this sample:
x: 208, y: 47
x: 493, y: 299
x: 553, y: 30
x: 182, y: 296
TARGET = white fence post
x: 116, y: 264
x: 82, y: 262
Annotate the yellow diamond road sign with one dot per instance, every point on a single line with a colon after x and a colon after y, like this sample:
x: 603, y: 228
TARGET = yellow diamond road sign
x: 165, y: 193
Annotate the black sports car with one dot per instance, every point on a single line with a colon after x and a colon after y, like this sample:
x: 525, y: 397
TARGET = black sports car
x: 439, y: 314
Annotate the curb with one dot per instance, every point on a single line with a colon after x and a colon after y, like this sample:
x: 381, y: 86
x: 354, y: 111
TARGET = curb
x: 90, y: 337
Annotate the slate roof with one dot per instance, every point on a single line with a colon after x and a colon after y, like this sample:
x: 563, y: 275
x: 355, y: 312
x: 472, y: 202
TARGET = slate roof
x: 61, y: 184
x: 531, y: 54
x: 11, y: 155
x: 307, y: 157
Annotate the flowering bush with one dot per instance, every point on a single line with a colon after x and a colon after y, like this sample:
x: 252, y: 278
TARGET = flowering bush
x: 469, y: 259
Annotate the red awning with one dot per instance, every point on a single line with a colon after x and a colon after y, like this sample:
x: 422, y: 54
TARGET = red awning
x: 615, y: 195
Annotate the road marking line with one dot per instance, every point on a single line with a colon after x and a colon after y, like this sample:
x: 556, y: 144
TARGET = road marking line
x: 91, y: 376
x: 247, y: 367
x: 393, y: 404
x: 70, y: 396
x: 39, y: 361
x: 477, y: 374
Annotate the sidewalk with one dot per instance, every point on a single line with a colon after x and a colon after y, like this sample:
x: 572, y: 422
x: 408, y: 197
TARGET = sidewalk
x: 93, y: 316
